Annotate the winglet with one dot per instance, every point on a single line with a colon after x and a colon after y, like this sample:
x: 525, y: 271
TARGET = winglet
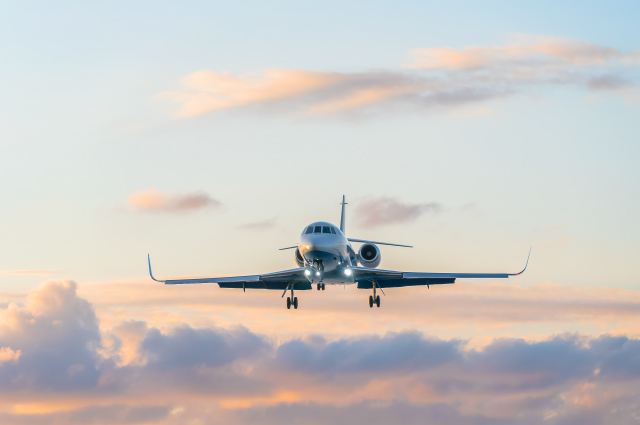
x: 151, y: 273
x: 525, y: 266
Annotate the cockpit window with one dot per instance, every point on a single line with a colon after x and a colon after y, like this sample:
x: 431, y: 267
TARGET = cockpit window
x: 333, y: 230
x: 309, y: 230
x: 318, y: 229
x: 326, y: 229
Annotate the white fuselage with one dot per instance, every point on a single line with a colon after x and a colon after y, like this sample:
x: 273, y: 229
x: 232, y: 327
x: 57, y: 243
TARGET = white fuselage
x: 328, y: 255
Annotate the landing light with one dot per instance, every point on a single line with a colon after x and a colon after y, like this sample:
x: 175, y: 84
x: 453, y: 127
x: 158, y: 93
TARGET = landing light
x: 307, y: 272
x: 347, y: 272
x: 317, y: 273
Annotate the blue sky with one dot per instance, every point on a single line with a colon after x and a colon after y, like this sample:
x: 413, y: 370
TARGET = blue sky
x: 83, y: 130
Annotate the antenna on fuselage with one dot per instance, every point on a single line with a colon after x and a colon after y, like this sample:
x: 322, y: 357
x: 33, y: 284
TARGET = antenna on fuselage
x: 342, y: 216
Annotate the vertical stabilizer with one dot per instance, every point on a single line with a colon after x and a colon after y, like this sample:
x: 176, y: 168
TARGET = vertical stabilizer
x: 342, y: 217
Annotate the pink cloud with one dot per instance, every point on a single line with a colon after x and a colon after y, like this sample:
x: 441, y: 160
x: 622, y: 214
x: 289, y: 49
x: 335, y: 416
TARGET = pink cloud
x: 438, y: 77
x: 531, y: 51
x: 152, y: 200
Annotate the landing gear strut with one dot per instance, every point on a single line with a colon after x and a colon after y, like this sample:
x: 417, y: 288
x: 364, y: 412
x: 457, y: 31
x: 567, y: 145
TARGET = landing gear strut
x: 375, y: 299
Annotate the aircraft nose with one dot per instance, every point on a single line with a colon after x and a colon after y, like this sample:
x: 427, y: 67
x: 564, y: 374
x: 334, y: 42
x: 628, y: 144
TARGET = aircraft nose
x: 316, y: 243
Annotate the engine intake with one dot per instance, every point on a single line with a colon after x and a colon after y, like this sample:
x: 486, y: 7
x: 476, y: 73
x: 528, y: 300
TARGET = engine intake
x: 298, y: 258
x: 369, y: 255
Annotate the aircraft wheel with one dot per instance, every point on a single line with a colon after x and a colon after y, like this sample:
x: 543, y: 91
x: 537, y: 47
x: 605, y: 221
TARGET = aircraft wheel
x: 318, y: 286
x: 295, y: 302
x: 288, y: 302
x: 370, y: 301
x: 378, y: 301
x: 323, y: 286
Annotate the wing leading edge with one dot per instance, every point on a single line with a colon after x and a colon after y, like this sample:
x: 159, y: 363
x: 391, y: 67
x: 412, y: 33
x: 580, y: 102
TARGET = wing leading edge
x: 393, y: 279
x: 277, y: 280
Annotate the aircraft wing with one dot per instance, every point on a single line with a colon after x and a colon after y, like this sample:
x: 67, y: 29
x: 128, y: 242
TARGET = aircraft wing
x: 375, y: 242
x: 277, y: 280
x: 394, y: 279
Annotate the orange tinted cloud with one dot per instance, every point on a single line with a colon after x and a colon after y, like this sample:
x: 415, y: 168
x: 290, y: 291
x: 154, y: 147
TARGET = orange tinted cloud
x: 186, y: 374
x: 530, y: 52
x: 152, y: 200
x: 438, y: 77
x: 212, y: 91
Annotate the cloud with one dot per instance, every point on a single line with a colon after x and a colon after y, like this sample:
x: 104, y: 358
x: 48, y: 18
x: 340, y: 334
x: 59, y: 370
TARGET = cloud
x: 154, y: 201
x: 8, y: 355
x: 386, y: 211
x: 56, y: 334
x: 95, y: 415
x: 393, y: 353
x: 437, y: 78
x: 608, y: 82
x: 190, y: 374
x: 260, y: 225
x: 187, y: 347
x: 530, y: 52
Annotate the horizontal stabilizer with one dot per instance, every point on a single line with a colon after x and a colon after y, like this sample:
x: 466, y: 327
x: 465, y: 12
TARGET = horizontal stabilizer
x: 289, y: 247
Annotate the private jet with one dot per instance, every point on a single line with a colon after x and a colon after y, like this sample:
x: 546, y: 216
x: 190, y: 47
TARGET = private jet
x: 324, y: 256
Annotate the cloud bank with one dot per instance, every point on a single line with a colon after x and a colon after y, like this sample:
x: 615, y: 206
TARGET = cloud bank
x: 154, y: 201
x: 61, y: 367
x: 436, y: 78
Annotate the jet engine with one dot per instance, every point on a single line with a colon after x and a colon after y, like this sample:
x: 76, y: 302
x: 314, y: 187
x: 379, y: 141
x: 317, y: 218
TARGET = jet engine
x: 369, y: 255
x: 298, y: 258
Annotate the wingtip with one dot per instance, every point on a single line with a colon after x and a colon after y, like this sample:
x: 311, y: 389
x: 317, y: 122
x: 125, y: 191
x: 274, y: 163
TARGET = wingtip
x: 526, y: 264
x: 150, y: 272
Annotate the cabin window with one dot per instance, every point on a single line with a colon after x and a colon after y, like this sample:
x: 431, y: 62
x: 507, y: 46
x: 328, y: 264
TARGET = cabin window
x: 326, y: 229
x: 309, y: 230
x: 333, y: 230
x: 318, y: 229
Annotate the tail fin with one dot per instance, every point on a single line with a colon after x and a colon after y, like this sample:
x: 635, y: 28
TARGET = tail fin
x: 342, y: 216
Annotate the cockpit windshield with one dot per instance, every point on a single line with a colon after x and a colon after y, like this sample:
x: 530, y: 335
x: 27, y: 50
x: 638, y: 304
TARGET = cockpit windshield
x: 309, y: 230
x: 318, y: 229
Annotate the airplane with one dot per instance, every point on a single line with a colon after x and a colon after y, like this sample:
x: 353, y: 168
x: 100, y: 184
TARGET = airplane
x: 324, y: 256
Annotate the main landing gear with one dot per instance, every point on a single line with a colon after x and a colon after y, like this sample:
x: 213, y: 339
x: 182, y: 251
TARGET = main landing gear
x: 291, y: 300
x: 375, y: 299
x: 320, y: 286
x: 294, y: 303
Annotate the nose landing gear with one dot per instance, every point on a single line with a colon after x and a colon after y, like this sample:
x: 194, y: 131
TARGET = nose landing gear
x: 320, y: 286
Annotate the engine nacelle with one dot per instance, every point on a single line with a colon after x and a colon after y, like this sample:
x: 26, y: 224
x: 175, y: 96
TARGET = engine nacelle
x: 369, y: 255
x: 298, y: 258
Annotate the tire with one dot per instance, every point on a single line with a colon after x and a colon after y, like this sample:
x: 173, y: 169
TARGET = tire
x: 288, y: 302
x: 318, y: 286
x: 370, y: 301
x: 378, y: 301
x: 323, y: 286
x: 295, y: 303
